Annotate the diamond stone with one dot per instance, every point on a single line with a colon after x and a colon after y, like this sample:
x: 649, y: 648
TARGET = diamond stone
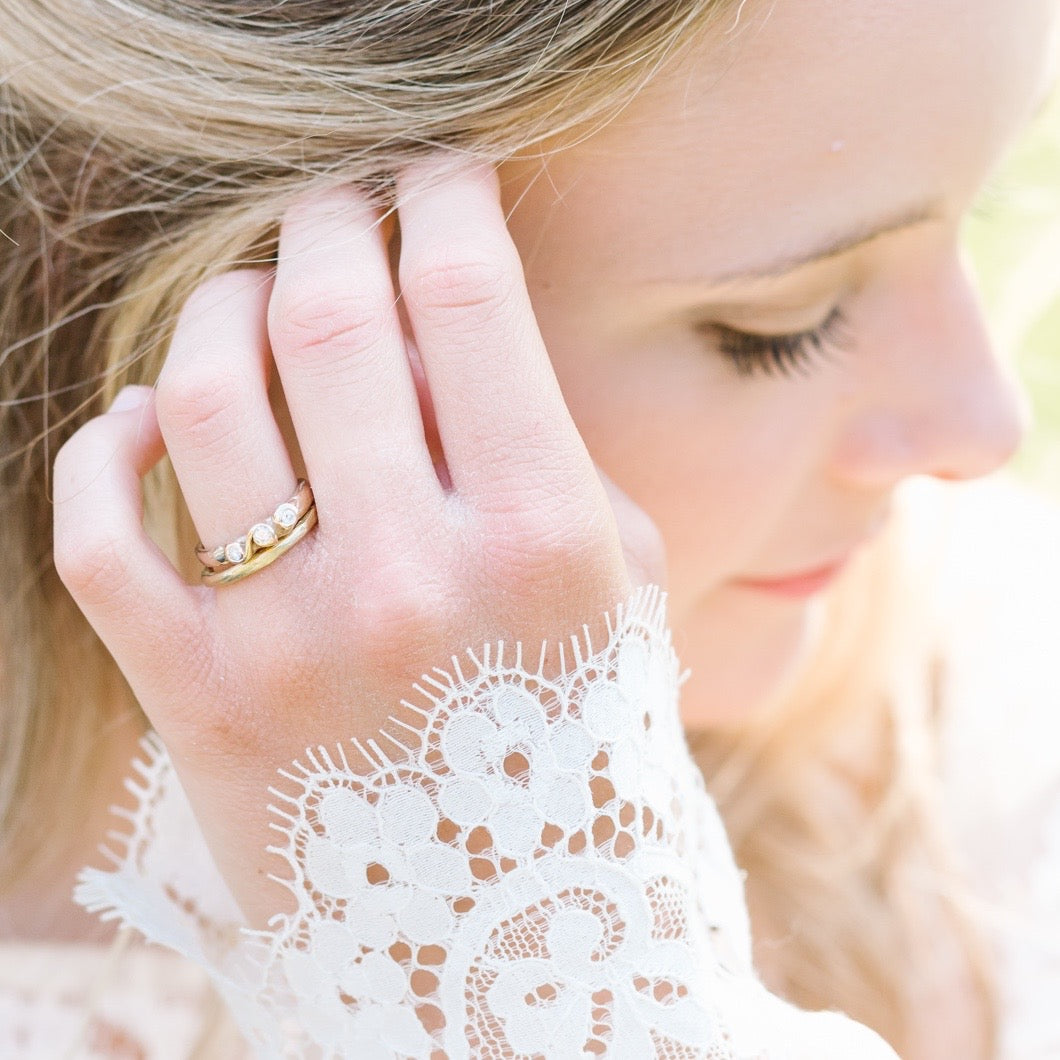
x: 219, y: 554
x: 263, y: 535
x: 235, y: 551
x: 286, y: 516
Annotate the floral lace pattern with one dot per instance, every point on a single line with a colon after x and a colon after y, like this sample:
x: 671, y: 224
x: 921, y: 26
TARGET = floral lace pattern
x: 530, y: 869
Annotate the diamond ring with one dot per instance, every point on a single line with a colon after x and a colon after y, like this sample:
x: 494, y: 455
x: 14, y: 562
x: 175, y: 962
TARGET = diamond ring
x: 263, y: 542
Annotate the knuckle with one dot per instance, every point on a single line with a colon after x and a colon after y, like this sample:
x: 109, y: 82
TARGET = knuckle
x: 91, y: 564
x: 401, y: 617
x: 309, y: 321
x: 537, y: 549
x: 461, y: 279
x: 203, y: 405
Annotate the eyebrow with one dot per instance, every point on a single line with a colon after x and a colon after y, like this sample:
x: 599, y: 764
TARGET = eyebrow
x: 830, y: 247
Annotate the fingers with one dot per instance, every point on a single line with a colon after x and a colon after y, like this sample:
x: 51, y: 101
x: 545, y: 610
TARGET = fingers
x: 331, y: 323
x: 341, y: 356
x: 120, y: 579
x: 213, y: 409
x: 501, y: 416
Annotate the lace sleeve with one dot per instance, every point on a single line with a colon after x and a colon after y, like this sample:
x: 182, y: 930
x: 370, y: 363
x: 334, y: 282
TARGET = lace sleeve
x: 520, y: 866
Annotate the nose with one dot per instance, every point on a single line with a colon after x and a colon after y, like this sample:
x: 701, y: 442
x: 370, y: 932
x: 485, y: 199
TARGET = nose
x: 928, y: 394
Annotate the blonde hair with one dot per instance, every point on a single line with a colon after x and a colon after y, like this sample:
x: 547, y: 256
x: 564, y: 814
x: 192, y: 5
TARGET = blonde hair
x: 143, y: 151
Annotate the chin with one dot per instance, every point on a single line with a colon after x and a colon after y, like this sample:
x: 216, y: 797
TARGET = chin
x: 744, y: 657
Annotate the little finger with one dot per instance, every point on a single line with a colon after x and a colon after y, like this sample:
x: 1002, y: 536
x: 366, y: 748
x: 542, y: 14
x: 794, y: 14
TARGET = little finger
x: 130, y: 593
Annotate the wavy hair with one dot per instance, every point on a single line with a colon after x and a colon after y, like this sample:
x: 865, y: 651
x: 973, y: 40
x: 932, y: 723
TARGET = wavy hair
x: 145, y: 146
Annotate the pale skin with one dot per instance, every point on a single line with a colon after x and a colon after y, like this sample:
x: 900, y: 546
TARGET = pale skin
x: 560, y: 354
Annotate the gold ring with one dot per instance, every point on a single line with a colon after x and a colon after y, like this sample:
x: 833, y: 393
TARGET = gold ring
x: 261, y: 535
x: 262, y: 558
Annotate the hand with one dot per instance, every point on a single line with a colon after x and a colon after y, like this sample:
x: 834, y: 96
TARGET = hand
x: 518, y: 537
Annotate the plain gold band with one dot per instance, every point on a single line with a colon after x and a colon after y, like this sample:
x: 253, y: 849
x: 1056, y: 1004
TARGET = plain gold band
x: 227, y: 575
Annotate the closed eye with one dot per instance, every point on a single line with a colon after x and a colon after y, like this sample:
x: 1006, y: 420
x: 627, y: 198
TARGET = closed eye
x: 789, y: 354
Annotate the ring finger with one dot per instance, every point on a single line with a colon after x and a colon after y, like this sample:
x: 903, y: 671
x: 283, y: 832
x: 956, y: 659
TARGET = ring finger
x: 227, y: 450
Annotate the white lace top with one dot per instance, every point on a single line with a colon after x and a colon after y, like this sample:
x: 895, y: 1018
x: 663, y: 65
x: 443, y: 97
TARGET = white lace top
x: 524, y: 868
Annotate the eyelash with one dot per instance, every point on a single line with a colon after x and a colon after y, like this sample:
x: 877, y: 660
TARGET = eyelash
x: 796, y: 353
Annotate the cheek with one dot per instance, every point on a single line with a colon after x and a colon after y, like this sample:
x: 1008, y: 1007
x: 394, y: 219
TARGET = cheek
x: 717, y: 464
x: 722, y: 465
x: 713, y: 497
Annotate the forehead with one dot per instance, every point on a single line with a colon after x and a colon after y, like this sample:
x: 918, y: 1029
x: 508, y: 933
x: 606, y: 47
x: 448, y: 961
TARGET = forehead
x: 807, y: 116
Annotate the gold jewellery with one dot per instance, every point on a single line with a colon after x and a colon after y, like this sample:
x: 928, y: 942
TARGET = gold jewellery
x: 263, y: 542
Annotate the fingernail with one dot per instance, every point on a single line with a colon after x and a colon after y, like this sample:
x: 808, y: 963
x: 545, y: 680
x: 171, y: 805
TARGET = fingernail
x: 130, y: 397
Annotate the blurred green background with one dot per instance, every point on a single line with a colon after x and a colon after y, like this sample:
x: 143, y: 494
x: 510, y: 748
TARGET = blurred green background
x: 1013, y: 236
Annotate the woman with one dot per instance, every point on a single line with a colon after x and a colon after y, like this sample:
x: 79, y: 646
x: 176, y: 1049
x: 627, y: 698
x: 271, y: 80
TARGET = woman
x: 733, y: 230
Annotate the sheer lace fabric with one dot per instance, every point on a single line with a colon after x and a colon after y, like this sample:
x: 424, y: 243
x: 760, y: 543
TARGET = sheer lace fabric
x: 520, y: 866
x: 59, y: 1001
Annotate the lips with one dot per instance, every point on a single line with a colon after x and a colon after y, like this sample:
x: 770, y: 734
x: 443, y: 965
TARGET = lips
x: 805, y: 583
x: 799, y: 585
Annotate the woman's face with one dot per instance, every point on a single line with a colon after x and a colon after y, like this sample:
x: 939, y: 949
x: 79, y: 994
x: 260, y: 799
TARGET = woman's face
x: 807, y: 170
